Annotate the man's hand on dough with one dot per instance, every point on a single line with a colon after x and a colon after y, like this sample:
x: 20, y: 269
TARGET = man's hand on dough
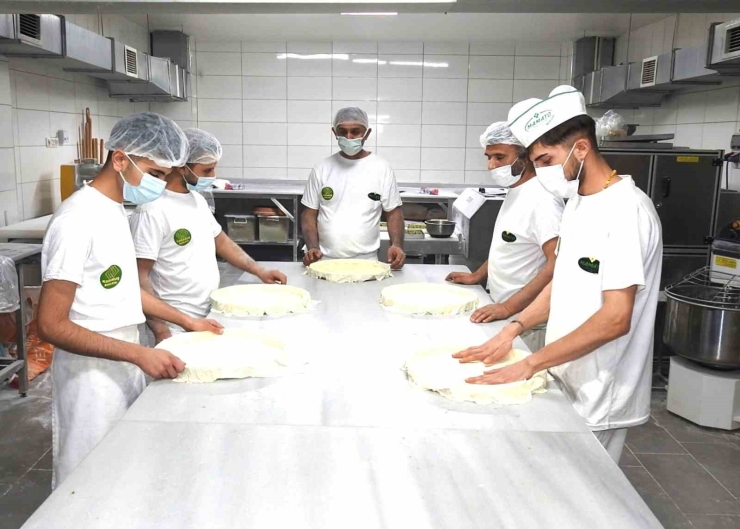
x: 271, y: 277
x: 312, y: 256
x: 158, y: 363
x: 521, y: 370
x: 396, y: 257
x: 488, y: 353
x: 489, y: 313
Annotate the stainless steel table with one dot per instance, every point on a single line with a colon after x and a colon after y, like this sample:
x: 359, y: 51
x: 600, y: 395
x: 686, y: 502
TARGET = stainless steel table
x: 348, y: 442
x: 21, y: 254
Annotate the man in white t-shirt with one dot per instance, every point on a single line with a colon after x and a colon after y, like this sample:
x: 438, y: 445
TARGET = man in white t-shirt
x: 346, y: 195
x: 522, y: 255
x: 177, y: 239
x: 603, y: 297
x: 91, y: 303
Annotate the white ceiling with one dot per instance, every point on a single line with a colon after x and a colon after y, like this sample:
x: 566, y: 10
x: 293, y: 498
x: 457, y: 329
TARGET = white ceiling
x: 542, y: 27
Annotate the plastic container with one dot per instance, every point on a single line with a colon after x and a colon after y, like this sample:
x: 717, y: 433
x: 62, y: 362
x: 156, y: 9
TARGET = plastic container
x: 274, y: 228
x: 242, y: 228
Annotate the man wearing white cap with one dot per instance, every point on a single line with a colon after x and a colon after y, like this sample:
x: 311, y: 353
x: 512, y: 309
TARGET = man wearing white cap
x: 177, y: 239
x: 91, y: 302
x: 603, y: 297
x: 346, y: 195
x: 522, y: 255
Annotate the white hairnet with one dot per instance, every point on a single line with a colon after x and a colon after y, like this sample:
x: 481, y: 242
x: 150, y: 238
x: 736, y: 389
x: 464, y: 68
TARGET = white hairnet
x: 499, y: 133
x: 204, y: 147
x: 351, y: 115
x: 150, y: 136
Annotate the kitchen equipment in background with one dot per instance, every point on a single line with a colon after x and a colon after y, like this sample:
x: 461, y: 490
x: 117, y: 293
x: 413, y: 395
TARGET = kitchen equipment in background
x: 702, y: 326
x: 725, y: 257
x: 273, y: 228
x: 88, y: 148
x: 439, y: 228
x: 74, y: 176
x: 241, y: 228
x: 475, y: 215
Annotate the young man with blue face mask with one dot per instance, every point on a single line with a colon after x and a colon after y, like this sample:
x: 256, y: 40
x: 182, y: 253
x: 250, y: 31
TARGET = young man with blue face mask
x: 522, y: 255
x: 602, y: 300
x: 177, y: 239
x: 346, y: 195
x: 91, y: 303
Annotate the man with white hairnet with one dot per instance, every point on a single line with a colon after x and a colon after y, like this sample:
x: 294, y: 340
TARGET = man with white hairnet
x: 346, y: 195
x: 177, y: 239
x: 91, y: 302
x: 522, y: 255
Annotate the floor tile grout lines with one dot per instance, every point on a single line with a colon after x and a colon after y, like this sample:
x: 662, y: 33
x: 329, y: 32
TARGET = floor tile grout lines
x: 702, y: 466
x: 26, y: 473
x: 637, y: 456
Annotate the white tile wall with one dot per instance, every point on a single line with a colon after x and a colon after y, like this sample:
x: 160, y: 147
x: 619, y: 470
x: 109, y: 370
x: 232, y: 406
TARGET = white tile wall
x: 36, y: 100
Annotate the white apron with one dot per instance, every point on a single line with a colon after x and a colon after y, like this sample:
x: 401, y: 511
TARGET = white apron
x: 89, y: 396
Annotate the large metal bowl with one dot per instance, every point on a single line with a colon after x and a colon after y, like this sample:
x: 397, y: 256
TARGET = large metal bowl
x: 700, y: 329
x: 440, y: 229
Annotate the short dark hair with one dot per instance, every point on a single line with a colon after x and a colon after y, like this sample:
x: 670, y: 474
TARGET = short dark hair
x: 582, y: 126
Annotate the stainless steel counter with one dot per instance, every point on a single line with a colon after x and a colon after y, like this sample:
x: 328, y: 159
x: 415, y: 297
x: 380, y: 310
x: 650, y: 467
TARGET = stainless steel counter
x: 347, y: 442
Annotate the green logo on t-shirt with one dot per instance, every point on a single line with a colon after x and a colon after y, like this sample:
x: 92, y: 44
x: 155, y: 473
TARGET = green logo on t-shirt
x: 373, y: 196
x: 327, y: 193
x: 589, y: 264
x: 507, y: 236
x: 111, y: 277
x: 182, y: 237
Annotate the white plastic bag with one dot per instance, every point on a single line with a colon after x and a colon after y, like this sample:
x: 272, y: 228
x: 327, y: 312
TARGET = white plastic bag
x: 9, y: 296
x: 611, y: 125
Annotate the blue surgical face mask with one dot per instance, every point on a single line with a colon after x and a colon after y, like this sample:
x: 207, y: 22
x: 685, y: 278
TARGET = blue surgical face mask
x: 350, y: 147
x: 149, y: 189
x: 203, y: 182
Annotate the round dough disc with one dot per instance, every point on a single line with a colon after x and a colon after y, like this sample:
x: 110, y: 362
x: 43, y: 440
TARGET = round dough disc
x: 348, y: 270
x: 260, y: 300
x: 428, y: 299
x: 237, y: 353
x: 436, y: 370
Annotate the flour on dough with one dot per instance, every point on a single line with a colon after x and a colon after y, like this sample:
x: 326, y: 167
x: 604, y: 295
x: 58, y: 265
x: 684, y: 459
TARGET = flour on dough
x: 436, y: 370
x: 430, y: 299
x: 260, y: 300
x: 349, y: 270
x: 237, y: 353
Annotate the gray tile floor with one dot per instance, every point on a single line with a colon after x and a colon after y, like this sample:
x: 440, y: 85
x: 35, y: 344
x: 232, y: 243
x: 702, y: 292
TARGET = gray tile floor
x: 688, y: 475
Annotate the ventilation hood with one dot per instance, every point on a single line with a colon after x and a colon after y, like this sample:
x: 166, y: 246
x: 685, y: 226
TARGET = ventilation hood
x: 608, y: 88
x: 166, y: 82
x: 724, y: 49
x: 33, y: 36
x: 124, y: 63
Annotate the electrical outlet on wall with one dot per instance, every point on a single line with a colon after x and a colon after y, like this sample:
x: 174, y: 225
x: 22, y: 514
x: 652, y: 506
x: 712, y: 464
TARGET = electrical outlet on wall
x: 52, y: 143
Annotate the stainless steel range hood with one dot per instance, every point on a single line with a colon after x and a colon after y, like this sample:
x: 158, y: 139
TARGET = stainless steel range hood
x: 33, y: 36
x: 608, y: 88
x: 166, y: 82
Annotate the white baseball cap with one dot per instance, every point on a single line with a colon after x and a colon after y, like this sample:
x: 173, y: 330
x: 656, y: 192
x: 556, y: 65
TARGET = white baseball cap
x: 531, y: 118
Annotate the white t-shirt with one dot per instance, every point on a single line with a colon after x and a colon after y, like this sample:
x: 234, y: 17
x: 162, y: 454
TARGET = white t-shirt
x: 178, y: 232
x: 350, y: 195
x: 88, y: 242
x: 529, y: 217
x: 608, y: 241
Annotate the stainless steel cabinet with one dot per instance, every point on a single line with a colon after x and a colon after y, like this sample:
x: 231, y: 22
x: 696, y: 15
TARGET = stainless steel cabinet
x: 638, y: 166
x: 684, y: 190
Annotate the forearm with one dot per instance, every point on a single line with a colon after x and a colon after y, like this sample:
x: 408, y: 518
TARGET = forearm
x: 396, y: 227
x: 76, y: 339
x: 482, y: 273
x: 230, y: 252
x: 527, y: 295
x: 310, y: 228
x: 598, y: 330
x: 537, y: 312
x: 157, y: 326
x: 156, y: 308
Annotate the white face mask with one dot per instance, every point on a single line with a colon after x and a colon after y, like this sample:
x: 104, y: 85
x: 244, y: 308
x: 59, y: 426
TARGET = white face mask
x: 503, y: 176
x: 553, y: 179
